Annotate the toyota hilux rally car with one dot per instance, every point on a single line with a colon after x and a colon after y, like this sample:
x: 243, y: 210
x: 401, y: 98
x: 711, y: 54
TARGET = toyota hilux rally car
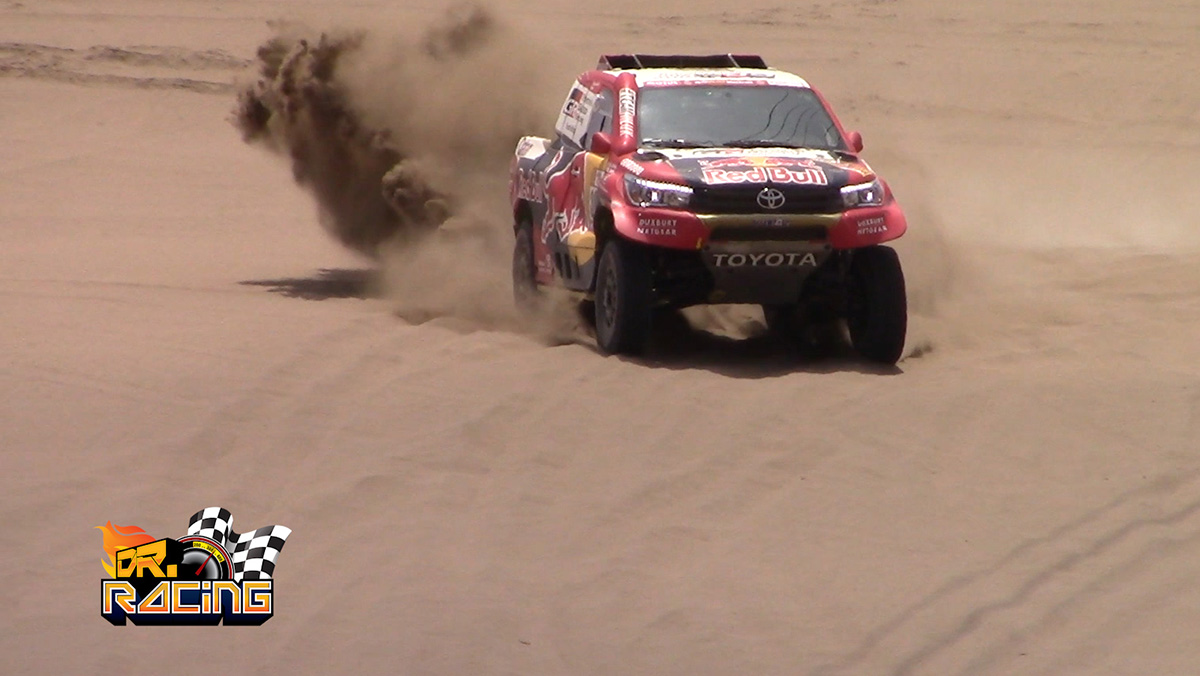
x: 681, y: 180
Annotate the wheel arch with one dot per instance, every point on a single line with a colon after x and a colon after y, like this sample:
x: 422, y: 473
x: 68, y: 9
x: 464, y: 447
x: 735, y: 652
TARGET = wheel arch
x: 604, y: 225
x: 522, y: 212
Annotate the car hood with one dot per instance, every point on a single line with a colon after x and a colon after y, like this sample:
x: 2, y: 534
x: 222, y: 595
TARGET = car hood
x: 701, y: 167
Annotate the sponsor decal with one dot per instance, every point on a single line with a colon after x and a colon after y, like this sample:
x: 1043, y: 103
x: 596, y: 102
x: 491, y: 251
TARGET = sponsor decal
x: 627, y: 107
x: 793, y: 176
x: 659, y: 78
x: 764, y: 260
x: 211, y: 575
x: 756, y: 161
x: 700, y: 81
x: 601, y: 169
x: 632, y: 167
x: 657, y: 227
x: 872, y: 226
x: 601, y: 175
x: 529, y: 186
x: 702, y: 153
x: 531, y: 147
x: 557, y: 181
x: 568, y: 224
x: 770, y: 222
x: 770, y: 198
x: 572, y: 121
x: 579, y: 104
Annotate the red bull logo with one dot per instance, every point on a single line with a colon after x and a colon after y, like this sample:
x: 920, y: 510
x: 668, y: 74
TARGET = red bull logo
x: 790, y: 175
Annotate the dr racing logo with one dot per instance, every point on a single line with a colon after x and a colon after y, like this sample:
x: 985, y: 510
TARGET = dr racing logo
x: 211, y: 575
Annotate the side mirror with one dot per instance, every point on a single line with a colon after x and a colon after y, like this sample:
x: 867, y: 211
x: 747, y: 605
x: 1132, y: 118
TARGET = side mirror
x: 601, y: 143
x: 855, y: 140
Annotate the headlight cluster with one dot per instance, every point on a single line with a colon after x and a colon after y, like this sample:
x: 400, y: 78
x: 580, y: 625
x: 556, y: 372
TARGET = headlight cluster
x: 863, y: 195
x: 644, y: 193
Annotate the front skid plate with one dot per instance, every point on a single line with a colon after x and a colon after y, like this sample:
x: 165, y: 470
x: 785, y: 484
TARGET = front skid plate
x: 742, y: 272
x: 761, y: 272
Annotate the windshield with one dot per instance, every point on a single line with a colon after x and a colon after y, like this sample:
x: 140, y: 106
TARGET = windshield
x: 736, y: 117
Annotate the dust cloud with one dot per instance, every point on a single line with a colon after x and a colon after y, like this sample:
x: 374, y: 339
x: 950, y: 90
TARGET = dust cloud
x: 404, y: 139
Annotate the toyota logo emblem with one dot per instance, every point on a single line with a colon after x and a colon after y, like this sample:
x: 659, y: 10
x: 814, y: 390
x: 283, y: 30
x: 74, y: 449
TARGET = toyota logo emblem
x: 771, y: 198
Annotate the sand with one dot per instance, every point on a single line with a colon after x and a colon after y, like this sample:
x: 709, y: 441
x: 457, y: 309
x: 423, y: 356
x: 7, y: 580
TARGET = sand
x: 1021, y: 495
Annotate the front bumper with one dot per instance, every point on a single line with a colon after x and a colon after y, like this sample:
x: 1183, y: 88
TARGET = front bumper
x: 689, y: 231
x: 758, y: 258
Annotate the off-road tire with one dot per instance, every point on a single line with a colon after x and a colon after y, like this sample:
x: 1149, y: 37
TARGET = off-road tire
x: 526, y: 293
x: 877, y: 307
x: 783, y: 321
x: 624, y: 296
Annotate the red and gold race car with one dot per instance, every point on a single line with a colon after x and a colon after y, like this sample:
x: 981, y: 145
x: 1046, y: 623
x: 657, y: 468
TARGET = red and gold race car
x: 674, y: 181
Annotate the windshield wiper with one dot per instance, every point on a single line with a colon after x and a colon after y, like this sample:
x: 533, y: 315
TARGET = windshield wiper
x: 758, y: 143
x: 670, y: 143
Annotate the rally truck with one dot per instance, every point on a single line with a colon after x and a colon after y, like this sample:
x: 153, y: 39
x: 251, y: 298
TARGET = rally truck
x: 674, y: 181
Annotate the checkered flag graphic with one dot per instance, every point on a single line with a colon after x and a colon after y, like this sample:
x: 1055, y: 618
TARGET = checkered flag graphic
x: 253, y: 553
x: 214, y: 523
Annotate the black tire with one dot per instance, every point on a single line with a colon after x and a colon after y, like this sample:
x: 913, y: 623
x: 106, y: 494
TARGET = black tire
x: 526, y: 293
x: 877, y: 306
x: 624, y: 296
x: 795, y: 325
x: 783, y: 321
x: 587, y: 313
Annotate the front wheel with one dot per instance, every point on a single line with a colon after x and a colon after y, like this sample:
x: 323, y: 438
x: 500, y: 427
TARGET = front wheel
x: 877, y: 306
x: 624, y: 296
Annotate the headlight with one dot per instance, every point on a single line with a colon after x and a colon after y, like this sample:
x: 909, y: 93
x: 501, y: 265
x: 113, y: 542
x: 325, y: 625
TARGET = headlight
x: 654, y: 194
x: 863, y: 195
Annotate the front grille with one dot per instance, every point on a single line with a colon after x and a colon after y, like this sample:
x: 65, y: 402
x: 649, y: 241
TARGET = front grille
x: 743, y: 199
x: 769, y: 233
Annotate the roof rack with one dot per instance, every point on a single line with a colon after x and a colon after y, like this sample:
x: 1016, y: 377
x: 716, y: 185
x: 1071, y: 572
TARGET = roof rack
x: 635, y: 61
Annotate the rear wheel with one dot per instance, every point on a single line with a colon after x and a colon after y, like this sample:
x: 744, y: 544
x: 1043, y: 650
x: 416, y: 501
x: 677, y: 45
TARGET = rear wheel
x: 587, y: 312
x: 877, y: 307
x: 624, y: 297
x: 525, y: 288
x: 784, y: 321
x: 814, y: 333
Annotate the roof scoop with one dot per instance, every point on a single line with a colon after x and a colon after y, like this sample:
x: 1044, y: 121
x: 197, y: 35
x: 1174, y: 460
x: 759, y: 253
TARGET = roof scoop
x: 636, y: 61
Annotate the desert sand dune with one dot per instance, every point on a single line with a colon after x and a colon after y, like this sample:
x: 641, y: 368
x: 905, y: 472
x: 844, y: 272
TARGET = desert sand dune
x: 469, y: 496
